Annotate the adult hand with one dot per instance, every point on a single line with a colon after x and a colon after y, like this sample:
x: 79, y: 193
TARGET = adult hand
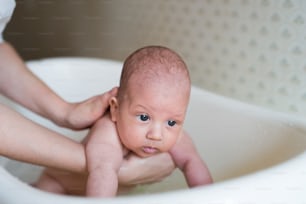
x: 136, y: 170
x: 83, y: 114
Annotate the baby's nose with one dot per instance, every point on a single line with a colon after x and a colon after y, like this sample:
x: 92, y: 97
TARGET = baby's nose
x: 155, y: 133
x: 154, y: 137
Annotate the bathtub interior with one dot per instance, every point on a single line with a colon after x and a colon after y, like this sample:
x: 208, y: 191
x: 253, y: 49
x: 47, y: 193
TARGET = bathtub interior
x: 234, y: 138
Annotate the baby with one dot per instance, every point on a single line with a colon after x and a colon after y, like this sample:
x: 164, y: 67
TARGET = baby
x: 146, y: 118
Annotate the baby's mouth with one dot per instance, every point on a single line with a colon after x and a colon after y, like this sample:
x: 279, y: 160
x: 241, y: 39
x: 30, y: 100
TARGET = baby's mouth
x: 150, y: 150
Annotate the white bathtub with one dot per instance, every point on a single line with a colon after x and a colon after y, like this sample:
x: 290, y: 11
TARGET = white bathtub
x: 255, y: 155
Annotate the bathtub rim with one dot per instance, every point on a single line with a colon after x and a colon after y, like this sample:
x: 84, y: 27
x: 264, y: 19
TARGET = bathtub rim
x: 230, y: 190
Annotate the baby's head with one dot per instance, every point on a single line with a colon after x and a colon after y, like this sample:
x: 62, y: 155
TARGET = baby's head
x: 152, y: 100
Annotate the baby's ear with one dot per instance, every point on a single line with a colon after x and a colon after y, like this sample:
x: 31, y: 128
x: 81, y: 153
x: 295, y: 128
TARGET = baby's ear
x: 113, y: 102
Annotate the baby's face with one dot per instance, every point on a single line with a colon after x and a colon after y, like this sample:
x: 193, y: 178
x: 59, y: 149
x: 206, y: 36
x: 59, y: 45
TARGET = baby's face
x: 150, y: 119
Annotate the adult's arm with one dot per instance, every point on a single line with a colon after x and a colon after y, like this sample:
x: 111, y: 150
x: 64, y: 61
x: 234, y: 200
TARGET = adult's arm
x: 18, y: 83
x: 23, y: 140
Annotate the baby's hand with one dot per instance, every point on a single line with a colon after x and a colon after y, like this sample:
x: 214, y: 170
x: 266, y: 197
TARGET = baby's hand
x: 136, y: 170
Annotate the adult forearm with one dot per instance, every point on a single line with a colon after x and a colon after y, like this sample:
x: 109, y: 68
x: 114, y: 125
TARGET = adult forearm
x: 26, y: 141
x: 23, y: 140
x: 18, y: 83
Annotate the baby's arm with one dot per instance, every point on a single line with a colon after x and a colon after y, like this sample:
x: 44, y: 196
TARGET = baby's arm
x: 104, y: 157
x: 187, y: 159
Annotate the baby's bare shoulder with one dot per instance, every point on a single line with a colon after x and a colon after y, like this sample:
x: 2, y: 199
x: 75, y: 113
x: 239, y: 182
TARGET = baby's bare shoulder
x: 183, y: 150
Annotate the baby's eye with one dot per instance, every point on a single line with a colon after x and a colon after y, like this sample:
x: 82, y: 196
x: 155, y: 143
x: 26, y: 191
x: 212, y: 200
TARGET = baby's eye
x: 143, y: 117
x: 171, y: 122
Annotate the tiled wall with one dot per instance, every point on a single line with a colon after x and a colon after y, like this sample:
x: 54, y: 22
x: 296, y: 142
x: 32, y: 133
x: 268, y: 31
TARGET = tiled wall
x: 252, y: 50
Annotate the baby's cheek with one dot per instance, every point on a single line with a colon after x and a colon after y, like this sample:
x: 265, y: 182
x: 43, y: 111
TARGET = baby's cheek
x: 168, y: 145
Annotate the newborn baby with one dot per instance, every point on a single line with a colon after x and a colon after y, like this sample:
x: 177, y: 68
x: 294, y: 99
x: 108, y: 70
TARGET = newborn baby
x: 146, y: 118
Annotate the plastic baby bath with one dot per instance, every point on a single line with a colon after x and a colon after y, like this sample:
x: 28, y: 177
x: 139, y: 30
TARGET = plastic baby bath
x: 254, y: 155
